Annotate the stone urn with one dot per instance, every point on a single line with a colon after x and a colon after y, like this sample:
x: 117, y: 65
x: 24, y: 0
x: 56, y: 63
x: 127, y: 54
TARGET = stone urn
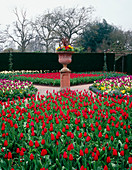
x: 65, y: 58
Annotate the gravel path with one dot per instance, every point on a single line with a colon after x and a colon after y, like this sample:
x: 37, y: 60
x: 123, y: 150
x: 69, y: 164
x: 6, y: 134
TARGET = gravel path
x: 42, y: 89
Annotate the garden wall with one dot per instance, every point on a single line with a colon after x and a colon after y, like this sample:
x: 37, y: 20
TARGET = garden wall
x: 49, y: 61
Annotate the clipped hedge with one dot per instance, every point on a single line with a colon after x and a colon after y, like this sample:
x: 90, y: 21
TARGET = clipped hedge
x: 81, y: 62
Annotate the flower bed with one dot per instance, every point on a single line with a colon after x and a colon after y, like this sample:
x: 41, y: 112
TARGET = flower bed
x: 115, y: 85
x: 66, y: 130
x: 13, y: 89
x: 54, y: 78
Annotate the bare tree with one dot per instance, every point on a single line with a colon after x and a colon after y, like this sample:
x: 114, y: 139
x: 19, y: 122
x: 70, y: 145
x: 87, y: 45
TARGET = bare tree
x: 35, y: 45
x: 45, y: 28
x: 53, y: 25
x: 72, y: 21
x: 3, y: 38
x: 22, y: 32
x: 128, y: 40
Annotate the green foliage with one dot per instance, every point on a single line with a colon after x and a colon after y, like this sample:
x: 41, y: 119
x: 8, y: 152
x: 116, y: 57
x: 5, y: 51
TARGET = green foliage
x: 94, y: 35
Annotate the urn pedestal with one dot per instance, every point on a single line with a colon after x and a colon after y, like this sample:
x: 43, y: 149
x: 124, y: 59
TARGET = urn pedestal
x: 65, y: 58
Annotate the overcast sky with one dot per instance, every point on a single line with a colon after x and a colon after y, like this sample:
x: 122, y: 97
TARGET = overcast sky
x: 116, y: 12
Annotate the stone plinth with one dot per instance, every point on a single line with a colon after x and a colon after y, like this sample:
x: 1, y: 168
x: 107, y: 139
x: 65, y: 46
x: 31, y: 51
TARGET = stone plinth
x: 64, y: 80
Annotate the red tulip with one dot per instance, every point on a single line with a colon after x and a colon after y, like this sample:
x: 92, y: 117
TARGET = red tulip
x: 122, y: 153
x: 88, y: 138
x: 72, y: 135
x: 69, y: 147
x: 3, y: 135
x: 84, y: 125
x: 80, y: 135
x: 107, y: 128
x: 3, y: 127
x: 18, y: 150
x: 96, y: 157
x: 103, y: 148
x: 130, y: 160
x: 21, y: 153
x: 2, y: 150
x: 126, y: 146
x: 100, y: 135
x: 5, y: 143
x: 95, y: 149
x: 36, y: 144
x: 112, y: 138
x: 96, y: 124
x: 27, y: 126
x: 65, y: 155
x: 30, y: 143
x: 105, y: 167
x: 127, y: 141
x: 9, y: 155
x: 85, y: 134
x: 63, y: 130
x: 117, y: 133
x: 43, y: 142
x: 21, y: 135
x: 43, y: 152
x: 67, y: 127
x: 15, y: 126
x: 108, y: 160
x: 114, y: 152
x: 31, y: 156
x: 81, y: 153
x: 77, y: 128
x: 97, y: 152
x: 95, y: 107
x: 52, y: 136
x: 6, y: 156
x: 70, y: 157
x: 106, y: 136
x: 99, y: 128
x: 82, y: 168
x: 86, y: 151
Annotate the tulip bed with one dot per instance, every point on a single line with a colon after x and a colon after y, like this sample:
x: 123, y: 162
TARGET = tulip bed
x: 67, y: 130
x: 14, y: 88
x: 75, y: 78
x: 115, y: 85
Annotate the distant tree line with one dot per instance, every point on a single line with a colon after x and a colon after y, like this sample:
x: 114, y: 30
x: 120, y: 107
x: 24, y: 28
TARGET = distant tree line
x: 43, y: 34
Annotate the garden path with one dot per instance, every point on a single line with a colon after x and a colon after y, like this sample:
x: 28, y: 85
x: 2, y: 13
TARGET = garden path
x: 42, y: 89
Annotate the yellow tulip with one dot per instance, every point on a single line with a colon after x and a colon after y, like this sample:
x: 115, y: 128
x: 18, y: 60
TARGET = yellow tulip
x: 123, y: 91
x: 102, y: 88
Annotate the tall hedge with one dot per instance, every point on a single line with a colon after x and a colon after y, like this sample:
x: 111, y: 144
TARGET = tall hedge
x: 124, y: 64
x: 128, y: 64
x: 4, y: 61
x: 49, y: 61
x: 119, y: 66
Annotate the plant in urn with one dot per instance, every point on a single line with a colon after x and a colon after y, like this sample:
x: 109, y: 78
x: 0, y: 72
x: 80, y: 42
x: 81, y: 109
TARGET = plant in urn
x: 65, y: 52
